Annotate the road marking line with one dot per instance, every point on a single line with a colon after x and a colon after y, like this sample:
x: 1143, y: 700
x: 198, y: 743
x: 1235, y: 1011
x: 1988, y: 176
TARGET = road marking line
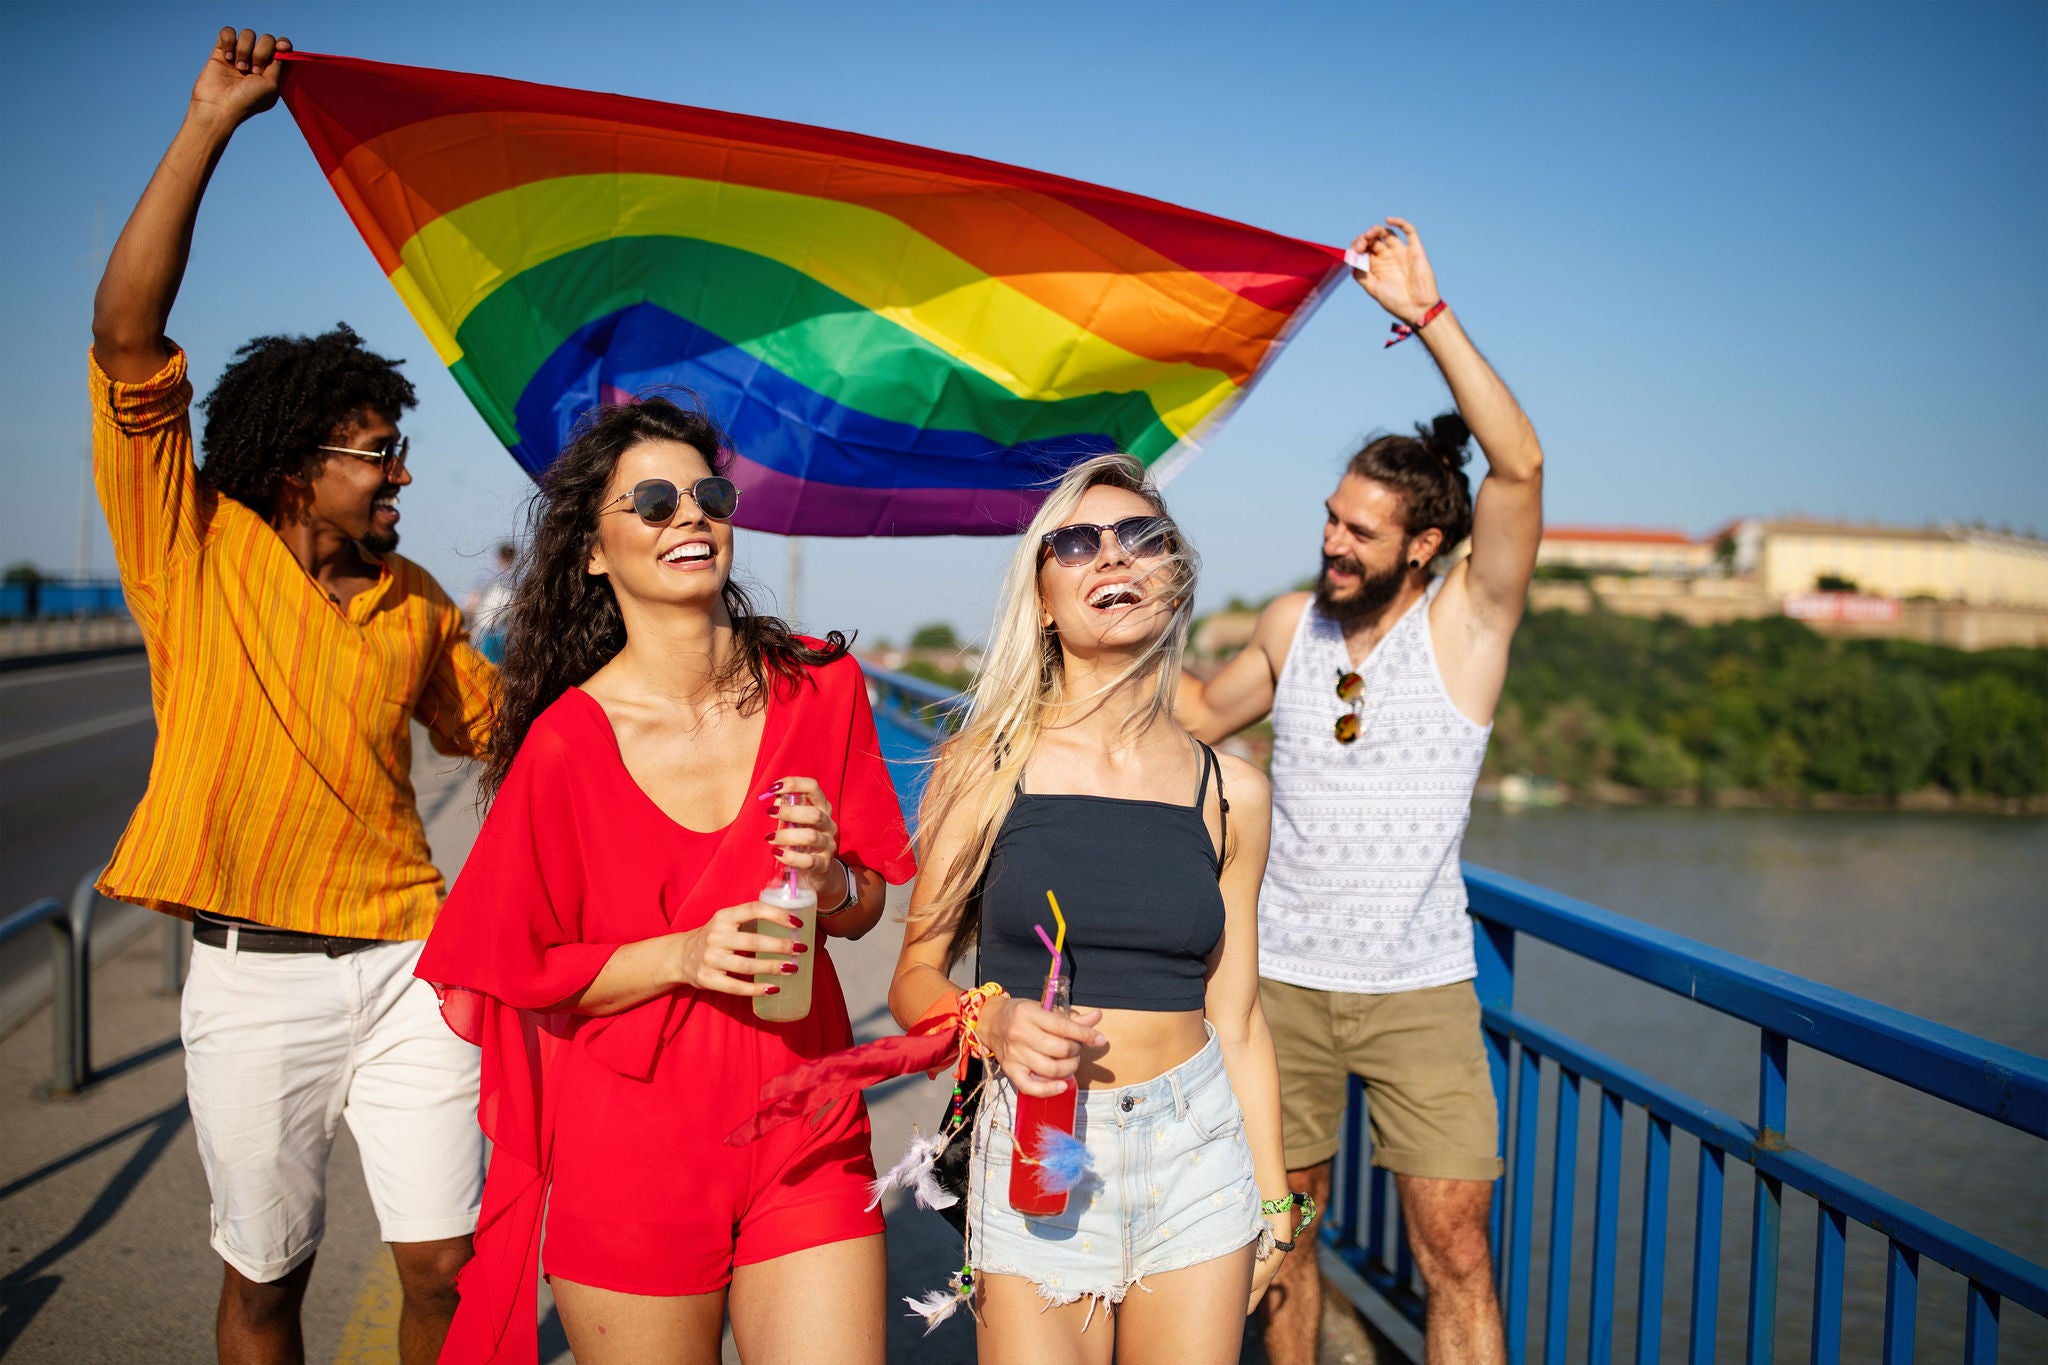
x: 29, y: 676
x: 85, y: 729
x: 370, y: 1337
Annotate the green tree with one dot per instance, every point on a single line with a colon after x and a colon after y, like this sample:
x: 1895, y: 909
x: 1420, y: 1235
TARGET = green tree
x: 936, y: 635
x: 1571, y: 744
x: 1994, y: 737
x: 955, y: 678
x: 1655, y: 762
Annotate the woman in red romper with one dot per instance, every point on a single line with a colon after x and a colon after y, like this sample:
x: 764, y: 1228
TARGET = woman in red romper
x: 597, y: 943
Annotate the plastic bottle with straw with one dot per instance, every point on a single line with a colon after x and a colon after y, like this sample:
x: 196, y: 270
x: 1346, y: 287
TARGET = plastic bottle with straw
x: 1032, y: 1192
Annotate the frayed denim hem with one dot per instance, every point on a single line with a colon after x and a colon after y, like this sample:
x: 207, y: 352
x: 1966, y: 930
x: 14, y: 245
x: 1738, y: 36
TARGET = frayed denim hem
x: 1051, y: 1296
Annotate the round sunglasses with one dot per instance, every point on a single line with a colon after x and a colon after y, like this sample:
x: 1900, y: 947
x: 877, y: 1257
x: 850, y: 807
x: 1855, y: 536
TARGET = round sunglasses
x: 656, y: 500
x: 1141, y: 538
x: 1350, y: 691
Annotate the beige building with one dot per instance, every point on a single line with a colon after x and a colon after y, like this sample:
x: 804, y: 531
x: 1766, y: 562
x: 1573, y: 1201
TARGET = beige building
x: 1603, y: 549
x: 1949, y: 563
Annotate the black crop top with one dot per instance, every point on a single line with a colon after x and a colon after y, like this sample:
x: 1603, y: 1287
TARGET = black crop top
x: 1136, y: 881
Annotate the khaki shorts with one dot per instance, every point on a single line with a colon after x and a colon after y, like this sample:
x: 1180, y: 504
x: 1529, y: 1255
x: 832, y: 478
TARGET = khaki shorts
x: 1429, y: 1093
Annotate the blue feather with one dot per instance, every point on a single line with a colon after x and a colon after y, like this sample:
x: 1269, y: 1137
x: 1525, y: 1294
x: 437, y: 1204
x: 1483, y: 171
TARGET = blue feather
x: 1062, y: 1158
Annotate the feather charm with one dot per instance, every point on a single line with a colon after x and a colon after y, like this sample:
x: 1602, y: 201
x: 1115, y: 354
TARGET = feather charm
x: 1062, y: 1160
x: 915, y: 1172
x: 934, y: 1308
x: 941, y: 1304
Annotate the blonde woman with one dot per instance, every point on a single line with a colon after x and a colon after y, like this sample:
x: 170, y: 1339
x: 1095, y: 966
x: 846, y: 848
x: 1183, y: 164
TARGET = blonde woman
x: 1070, y: 775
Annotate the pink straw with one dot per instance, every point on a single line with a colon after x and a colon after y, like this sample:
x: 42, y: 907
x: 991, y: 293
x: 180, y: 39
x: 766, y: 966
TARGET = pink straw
x: 1046, y: 939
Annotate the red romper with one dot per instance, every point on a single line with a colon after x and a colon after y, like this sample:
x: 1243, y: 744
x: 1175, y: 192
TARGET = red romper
x: 617, y: 1125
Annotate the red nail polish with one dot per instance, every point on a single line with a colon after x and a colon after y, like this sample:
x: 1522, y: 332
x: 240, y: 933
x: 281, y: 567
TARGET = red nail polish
x: 774, y: 990
x: 787, y: 968
x: 798, y: 948
x: 795, y: 923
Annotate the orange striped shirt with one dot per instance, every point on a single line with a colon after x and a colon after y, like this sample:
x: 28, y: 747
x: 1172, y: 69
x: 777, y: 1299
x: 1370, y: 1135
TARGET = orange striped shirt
x: 281, y: 788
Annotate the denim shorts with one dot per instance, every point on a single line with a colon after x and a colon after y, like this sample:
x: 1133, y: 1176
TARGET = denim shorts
x: 1169, y: 1185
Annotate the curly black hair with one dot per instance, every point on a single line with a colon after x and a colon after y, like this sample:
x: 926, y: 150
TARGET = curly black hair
x: 282, y: 397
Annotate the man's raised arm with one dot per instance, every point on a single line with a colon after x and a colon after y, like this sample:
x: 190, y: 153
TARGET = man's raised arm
x: 141, y: 281
x: 1507, y: 515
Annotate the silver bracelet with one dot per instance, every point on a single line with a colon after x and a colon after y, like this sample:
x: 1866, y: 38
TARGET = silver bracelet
x: 852, y: 891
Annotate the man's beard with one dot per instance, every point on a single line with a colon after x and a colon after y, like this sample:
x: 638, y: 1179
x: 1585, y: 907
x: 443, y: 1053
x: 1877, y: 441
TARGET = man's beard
x: 379, y: 541
x: 1364, y: 602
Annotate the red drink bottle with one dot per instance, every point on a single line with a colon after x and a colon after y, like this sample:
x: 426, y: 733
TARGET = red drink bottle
x: 1035, y: 1116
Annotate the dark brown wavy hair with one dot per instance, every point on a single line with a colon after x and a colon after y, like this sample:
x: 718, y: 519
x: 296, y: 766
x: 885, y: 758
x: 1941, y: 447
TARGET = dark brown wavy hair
x: 1428, y: 471
x: 565, y: 622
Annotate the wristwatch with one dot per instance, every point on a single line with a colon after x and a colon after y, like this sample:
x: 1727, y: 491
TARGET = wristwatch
x: 852, y: 891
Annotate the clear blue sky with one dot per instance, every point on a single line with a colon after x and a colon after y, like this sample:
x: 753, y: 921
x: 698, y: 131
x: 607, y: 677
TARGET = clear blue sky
x: 1760, y: 258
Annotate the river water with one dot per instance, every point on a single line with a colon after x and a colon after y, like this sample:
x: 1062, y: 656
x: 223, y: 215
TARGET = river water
x: 1944, y: 916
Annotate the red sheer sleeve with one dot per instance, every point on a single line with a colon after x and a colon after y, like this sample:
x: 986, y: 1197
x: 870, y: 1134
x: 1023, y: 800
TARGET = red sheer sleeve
x: 507, y: 947
x: 870, y: 818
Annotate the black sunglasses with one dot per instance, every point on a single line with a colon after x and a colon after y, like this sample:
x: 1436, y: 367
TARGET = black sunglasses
x: 656, y: 500
x: 1140, y: 537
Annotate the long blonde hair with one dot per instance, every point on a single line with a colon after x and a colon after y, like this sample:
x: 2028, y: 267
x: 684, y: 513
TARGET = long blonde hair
x: 1023, y: 674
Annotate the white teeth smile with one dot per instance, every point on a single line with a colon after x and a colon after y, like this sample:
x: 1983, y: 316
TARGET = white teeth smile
x: 688, y: 553
x: 1114, y: 595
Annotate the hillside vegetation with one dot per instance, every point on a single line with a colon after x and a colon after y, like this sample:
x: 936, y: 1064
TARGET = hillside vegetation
x: 1770, y: 707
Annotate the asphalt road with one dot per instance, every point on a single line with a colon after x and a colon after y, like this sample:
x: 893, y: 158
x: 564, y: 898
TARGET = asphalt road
x: 75, y: 742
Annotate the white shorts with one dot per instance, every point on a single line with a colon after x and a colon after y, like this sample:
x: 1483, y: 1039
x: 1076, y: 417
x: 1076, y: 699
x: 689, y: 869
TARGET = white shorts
x: 278, y: 1046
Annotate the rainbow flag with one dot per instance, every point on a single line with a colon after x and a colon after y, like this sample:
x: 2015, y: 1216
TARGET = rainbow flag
x: 899, y: 341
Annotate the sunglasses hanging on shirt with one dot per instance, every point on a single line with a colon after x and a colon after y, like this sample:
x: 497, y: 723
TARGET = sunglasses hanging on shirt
x: 1350, y: 691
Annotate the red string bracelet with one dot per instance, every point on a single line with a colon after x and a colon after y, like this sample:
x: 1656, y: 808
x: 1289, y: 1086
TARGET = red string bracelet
x: 1402, y: 331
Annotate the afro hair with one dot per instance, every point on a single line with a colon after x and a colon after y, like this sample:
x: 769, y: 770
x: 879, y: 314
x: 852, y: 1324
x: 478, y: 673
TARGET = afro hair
x: 282, y: 397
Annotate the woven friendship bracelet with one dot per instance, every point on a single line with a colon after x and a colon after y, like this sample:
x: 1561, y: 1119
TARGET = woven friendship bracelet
x: 972, y: 1003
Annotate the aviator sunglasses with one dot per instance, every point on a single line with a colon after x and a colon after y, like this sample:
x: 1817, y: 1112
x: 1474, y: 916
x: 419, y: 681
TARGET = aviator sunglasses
x: 391, y: 454
x: 656, y: 500
x: 1141, y: 538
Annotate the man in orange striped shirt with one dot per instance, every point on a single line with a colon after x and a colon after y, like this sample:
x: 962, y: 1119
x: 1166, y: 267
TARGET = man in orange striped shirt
x: 290, y: 649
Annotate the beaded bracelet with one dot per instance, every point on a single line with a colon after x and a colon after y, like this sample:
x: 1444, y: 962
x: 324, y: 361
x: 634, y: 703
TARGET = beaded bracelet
x: 972, y: 1003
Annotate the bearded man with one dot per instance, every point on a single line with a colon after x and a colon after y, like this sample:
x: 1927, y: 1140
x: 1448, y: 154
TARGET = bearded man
x: 1382, y: 685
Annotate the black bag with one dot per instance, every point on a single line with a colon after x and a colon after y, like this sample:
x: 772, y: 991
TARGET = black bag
x: 958, y: 1122
x: 951, y: 1169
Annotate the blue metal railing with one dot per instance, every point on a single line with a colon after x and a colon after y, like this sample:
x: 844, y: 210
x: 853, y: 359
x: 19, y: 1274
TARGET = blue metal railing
x: 62, y: 597
x: 1364, y: 1229
x: 1984, y: 1078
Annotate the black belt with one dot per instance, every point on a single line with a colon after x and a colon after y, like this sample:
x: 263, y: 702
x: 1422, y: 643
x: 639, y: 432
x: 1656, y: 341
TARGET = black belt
x: 212, y: 930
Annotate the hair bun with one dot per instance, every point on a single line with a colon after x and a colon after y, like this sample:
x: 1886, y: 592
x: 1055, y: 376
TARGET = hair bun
x: 1445, y: 437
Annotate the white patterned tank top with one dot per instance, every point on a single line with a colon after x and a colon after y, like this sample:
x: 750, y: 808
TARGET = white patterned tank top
x: 1363, y: 888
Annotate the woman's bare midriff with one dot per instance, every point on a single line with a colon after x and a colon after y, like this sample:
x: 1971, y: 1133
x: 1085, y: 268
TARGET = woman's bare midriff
x: 1142, y: 1044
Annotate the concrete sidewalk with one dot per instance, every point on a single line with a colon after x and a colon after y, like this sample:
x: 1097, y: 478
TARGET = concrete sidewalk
x: 103, y: 1202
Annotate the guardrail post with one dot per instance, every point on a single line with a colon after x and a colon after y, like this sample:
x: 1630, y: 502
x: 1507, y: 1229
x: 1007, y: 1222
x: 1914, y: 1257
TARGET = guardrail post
x: 175, y: 932
x: 64, y: 1077
x: 84, y: 903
